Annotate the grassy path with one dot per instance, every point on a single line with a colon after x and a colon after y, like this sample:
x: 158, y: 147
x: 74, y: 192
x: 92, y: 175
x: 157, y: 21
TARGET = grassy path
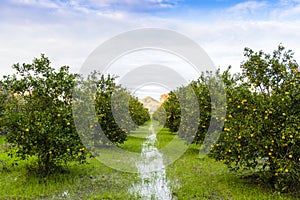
x: 191, y: 177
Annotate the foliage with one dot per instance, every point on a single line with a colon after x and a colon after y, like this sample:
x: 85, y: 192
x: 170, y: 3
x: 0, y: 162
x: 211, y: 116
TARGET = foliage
x: 38, y: 114
x: 103, y: 103
x: 138, y: 113
x: 117, y: 112
x: 261, y: 130
x: 160, y: 115
x: 262, y: 125
x: 171, y: 110
x: 192, y: 104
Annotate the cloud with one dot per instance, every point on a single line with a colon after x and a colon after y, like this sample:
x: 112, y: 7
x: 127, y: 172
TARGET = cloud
x: 133, y: 5
x: 68, y: 31
x: 65, y: 35
x: 288, y: 2
x: 248, y: 6
x: 247, y: 9
x: 36, y: 3
x: 287, y: 10
x: 109, y: 5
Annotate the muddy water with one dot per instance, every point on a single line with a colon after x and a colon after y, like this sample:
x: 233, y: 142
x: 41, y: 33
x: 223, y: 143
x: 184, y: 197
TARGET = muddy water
x: 154, y: 184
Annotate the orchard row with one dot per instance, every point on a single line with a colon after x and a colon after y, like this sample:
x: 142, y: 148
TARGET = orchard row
x: 37, y: 113
x: 251, y: 120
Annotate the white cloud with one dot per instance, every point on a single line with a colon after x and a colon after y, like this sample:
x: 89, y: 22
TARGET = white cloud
x: 37, y: 3
x: 288, y: 2
x: 66, y: 36
x: 68, y: 32
x: 247, y: 9
x: 125, y: 5
x: 248, y: 6
x: 287, y: 13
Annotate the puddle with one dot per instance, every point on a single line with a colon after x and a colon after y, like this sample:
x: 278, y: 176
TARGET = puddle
x: 154, y: 184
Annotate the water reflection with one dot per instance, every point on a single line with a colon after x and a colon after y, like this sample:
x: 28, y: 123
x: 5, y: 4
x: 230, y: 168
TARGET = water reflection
x: 154, y: 184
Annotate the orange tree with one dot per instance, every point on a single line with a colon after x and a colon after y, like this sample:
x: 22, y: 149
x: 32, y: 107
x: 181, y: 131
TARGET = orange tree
x: 160, y: 115
x: 173, y: 112
x: 176, y: 112
x: 117, y: 112
x: 182, y: 110
x: 106, y: 86
x: 38, y: 114
x: 138, y: 113
x: 261, y: 129
x: 127, y: 110
x: 189, y: 118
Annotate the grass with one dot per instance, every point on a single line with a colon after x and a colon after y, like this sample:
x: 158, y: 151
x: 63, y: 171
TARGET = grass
x: 93, y: 181
x: 88, y: 181
x: 195, y: 178
x: 136, y: 138
x: 125, y: 156
x: 164, y: 137
x: 191, y: 177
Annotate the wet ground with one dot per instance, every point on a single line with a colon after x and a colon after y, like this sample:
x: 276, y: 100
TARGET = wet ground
x: 154, y: 183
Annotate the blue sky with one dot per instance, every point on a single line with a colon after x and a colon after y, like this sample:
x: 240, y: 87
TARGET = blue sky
x: 67, y: 31
x: 167, y: 8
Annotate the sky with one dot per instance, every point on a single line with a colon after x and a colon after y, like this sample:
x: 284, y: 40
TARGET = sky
x: 67, y: 31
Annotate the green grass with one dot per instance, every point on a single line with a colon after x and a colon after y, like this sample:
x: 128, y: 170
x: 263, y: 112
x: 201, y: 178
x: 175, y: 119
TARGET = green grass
x: 88, y: 181
x: 164, y: 137
x: 136, y: 138
x: 126, y: 155
x: 133, y: 144
x: 193, y: 177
